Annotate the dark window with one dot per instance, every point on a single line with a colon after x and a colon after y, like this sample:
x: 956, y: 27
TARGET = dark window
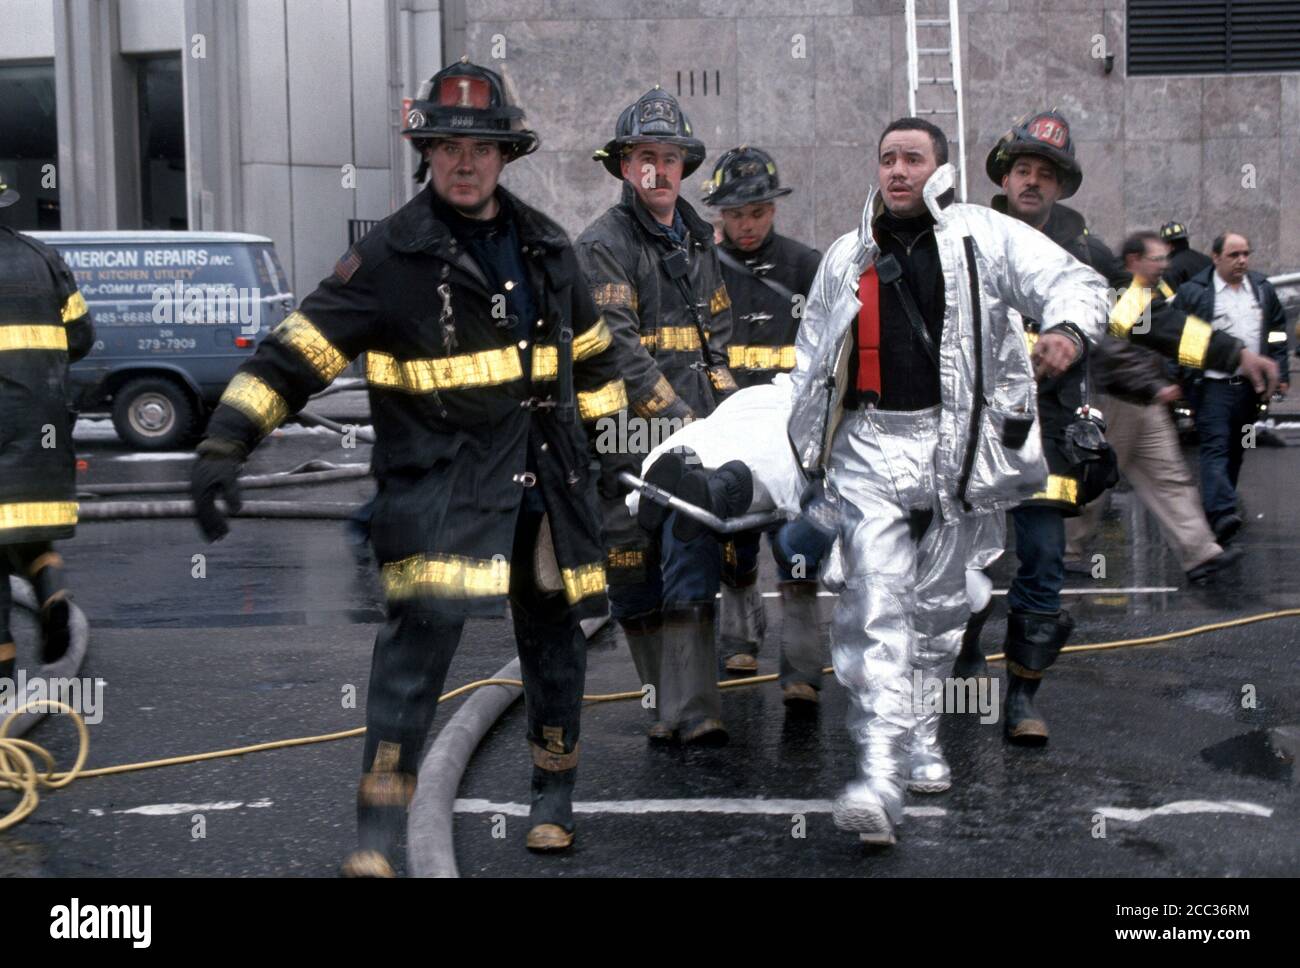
x: 162, y: 143
x: 29, y: 147
x: 1213, y: 36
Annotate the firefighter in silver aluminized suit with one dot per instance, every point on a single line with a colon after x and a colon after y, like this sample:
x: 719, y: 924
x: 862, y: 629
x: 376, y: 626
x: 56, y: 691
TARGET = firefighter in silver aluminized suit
x: 917, y: 407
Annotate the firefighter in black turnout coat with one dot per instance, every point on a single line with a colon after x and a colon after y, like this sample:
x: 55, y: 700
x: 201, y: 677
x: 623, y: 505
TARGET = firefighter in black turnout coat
x: 469, y: 306
x: 44, y: 326
x: 1035, y: 165
x: 768, y: 277
x: 653, y: 270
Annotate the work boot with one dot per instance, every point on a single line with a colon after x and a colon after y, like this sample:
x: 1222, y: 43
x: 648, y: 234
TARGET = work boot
x: 803, y: 644
x: 727, y: 492
x: 1034, y: 640
x: 1208, y: 568
x: 744, y: 624
x: 550, y: 815
x: 970, y: 661
x: 690, y: 693
x: 645, y: 643
x: 382, y: 799
x: 665, y: 474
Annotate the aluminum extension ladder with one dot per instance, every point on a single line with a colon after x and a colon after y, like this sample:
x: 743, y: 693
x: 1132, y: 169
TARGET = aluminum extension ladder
x: 934, y: 74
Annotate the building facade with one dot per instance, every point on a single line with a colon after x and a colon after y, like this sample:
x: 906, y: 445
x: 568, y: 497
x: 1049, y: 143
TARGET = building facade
x: 282, y: 117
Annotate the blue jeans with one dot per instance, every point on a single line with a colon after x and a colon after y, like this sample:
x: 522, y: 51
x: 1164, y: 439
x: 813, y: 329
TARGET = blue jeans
x: 1222, y: 412
x: 1040, y: 548
x: 677, y: 573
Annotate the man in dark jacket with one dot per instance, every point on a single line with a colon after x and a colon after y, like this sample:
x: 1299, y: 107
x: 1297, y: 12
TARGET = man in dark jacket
x: 1036, y: 167
x: 1184, y: 261
x: 1243, y: 303
x: 477, y: 327
x: 44, y: 326
x: 768, y: 276
x: 654, y: 272
x: 1138, y: 426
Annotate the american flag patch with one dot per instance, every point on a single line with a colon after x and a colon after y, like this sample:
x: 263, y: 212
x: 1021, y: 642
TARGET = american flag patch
x: 348, y: 265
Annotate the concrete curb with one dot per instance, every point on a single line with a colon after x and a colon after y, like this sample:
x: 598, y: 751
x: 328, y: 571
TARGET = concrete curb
x: 430, y: 844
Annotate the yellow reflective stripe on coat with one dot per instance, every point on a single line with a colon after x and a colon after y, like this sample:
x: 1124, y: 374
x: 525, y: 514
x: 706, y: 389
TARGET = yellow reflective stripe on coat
x: 483, y: 369
x: 1129, y: 309
x: 719, y: 300
x: 546, y: 359
x: 252, y: 397
x: 1194, y: 342
x: 1065, y: 489
x: 594, y: 341
x: 616, y: 294
x: 446, y: 576
x: 673, y: 339
x: 1165, y: 290
x: 74, y: 307
x: 611, y: 398
x: 37, y: 514
x: 722, y: 379
x: 33, y: 338
x: 300, y: 333
x: 583, y: 581
x: 661, y: 397
x: 760, y: 357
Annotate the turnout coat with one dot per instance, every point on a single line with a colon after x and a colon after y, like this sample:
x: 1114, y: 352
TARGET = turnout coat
x: 455, y: 398
x: 768, y: 288
x: 44, y: 326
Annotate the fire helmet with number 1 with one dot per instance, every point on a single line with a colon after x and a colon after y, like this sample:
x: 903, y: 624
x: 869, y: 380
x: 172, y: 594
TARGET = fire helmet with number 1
x: 465, y: 100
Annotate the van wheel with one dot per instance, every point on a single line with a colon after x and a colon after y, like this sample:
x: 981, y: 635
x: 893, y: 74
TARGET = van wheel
x: 153, y: 413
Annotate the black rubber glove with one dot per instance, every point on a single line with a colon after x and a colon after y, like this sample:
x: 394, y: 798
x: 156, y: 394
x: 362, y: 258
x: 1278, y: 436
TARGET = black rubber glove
x: 216, y: 473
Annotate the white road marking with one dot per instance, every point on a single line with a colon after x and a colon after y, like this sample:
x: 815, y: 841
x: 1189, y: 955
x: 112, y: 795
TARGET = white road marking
x: 727, y: 805
x: 1180, y: 807
x: 155, y: 456
x: 1100, y: 590
x: 175, y: 809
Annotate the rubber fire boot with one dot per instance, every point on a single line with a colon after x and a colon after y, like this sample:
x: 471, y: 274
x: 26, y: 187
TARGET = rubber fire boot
x: 550, y: 815
x: 970, y: 661
x: 726, y: 492
x: 744, y: 623
x: 690, y: 675
x: 382, y: 799
x: 803, y: 645
x: 1034, y: 640
x: 46, y: 573
x: 645, y: 641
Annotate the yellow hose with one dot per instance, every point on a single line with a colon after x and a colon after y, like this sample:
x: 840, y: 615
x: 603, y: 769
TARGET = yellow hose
x: 18, y: 772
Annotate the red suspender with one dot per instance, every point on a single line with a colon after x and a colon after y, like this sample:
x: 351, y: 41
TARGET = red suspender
x: 869, y: 332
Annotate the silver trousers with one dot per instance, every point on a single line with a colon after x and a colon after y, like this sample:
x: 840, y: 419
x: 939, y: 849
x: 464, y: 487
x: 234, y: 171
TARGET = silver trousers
x: 904, y: 605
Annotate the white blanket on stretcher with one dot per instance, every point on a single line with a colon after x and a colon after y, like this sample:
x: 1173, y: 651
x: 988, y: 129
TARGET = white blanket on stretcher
x: 749, y: 426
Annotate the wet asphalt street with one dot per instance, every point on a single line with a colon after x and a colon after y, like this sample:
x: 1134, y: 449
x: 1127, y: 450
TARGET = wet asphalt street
x: 275, y: 639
